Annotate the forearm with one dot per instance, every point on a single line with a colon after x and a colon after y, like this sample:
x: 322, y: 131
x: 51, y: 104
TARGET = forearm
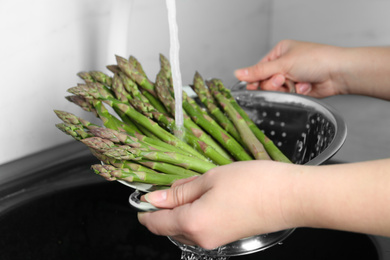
x: 366, y: 71
x: 353, y: 197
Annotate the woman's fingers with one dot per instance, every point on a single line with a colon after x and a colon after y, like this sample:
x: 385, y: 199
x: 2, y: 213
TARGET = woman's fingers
x: 259, y: 71
x: 185, y: 191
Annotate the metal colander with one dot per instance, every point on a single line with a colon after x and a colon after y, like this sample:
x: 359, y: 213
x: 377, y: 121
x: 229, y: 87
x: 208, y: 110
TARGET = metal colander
x: 305, y: 129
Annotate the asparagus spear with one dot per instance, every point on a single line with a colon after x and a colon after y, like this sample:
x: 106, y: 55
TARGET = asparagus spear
x: 125, y: 152
x: 123, y: 138
x: 132, y: 88
x: 98, y: 144
x: 112, y: 173
x: 119, y: 89
x: 271, y: 148
x: 101, y: 77
x: 207, y: 99
x: 137, y: 65
x: 121, y: 163
x: 114, y: 68
x: 83, y: 103
x: 254, y: 145
x: 131, y: 71
x: 165, y: 66
x: 163, y: 93
x: 218, y: 133
x: 70, y: 118
x: 162, y: 89
x: 86, y: 76
x: 75, y: 131
x: 168, y: 168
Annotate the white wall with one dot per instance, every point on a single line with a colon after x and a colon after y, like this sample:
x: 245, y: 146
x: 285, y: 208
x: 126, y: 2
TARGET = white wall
x: 45, y: 43
x: 338, y: 22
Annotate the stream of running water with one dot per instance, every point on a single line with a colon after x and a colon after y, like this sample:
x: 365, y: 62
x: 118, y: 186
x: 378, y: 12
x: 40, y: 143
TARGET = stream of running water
x: 175, y: 63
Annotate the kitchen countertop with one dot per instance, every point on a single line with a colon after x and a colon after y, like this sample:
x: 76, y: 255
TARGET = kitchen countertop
x: 368, y: 124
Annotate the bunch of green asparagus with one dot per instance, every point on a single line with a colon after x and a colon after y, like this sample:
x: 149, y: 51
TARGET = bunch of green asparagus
x: 140, y: 142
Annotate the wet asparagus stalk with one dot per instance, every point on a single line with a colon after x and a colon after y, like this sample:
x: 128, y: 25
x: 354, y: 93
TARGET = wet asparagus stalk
x: 168, y: 168
x: 125, y: 152
x: 271, y: 148
x: 207, y: 99
x: 76, y: 131
x: 251, y: 141
x: 139, y: 76
x: 228, y: 142
x: 112, y: 173
x: 162, y: 88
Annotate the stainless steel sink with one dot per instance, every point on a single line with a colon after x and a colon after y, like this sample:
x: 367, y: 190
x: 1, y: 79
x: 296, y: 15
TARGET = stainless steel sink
x: 64, y: 211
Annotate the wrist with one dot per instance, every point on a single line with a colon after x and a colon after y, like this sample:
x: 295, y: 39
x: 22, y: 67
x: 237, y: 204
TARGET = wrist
x: 293, y: 199
x: 341, y: 69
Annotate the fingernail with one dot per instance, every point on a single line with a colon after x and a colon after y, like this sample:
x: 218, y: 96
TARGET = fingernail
x: 304, y: 88
x: 140, y: 215
x: 253, y: 86
x: 241, y: 72
x: 278, y: 80
x: 156, y: 196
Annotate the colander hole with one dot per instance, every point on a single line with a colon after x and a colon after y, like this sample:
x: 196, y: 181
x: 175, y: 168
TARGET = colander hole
x: 277, y: 114
x: 279, y: 144
x: 282, y: 124
x: 264, y: 114
x: 284, y: 134
x: 258, y: 121
x: 307, y: 126
x: 300, y: 146
x: 272, y: 133
x: 272, y: 122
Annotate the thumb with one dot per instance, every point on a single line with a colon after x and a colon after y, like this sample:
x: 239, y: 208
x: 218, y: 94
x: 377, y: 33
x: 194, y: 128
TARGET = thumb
x: 259, y: 71
x: 185, y: 192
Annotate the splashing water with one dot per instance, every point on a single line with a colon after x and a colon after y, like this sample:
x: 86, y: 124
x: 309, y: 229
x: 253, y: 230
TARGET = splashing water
x: 185, y: 255
x: 174, y: 60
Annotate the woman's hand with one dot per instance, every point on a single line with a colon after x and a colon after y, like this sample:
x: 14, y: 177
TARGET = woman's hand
x: 313, y: 67
x: 225, y: 204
